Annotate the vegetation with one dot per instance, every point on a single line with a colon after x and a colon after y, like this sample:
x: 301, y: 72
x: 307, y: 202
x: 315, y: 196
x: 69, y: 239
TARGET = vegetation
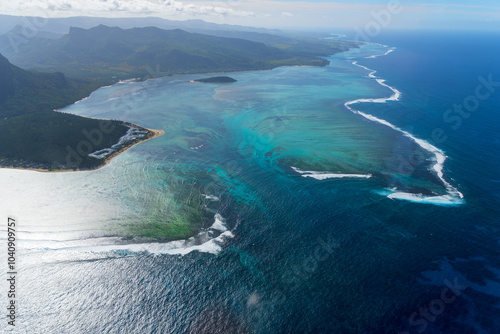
x: 111, y: 53
x: 33, y: 135
x: 53, y: 140
x: 308, y: 45
x: 217, y: 80
x: 23, y: 92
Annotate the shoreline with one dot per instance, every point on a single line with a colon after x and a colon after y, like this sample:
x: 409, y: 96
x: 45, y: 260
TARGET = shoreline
x: 155, y: 133
x: 152, y: 133
x: 151, y: 77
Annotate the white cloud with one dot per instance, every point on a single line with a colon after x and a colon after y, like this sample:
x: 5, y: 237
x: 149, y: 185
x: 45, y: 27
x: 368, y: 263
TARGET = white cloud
x: 121, y: 8
x: 263, y: 13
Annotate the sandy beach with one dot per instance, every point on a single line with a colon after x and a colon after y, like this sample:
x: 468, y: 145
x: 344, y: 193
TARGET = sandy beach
x: 152, y: 133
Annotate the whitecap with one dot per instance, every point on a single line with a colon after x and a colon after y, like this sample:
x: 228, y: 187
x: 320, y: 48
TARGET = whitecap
x: 328, y: 175
x: 211, y: 198
x: 210, y: 240
x: 443, y: 200
x: 384, y: 54
x: 454, y: 195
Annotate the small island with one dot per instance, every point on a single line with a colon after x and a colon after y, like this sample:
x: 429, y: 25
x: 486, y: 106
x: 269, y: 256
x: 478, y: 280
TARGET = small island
x: 216, y: 80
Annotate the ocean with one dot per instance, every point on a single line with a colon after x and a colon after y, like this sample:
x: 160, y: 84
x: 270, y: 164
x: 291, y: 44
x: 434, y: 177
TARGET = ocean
x: 361, y: 197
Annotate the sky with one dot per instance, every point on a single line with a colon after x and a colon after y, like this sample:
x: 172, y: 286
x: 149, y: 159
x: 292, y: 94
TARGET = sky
x: 365, y: 16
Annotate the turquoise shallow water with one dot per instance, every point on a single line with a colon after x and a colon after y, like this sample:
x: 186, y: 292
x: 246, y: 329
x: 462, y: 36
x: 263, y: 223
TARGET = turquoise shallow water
x: 276, y: 120
x: 276, y: 249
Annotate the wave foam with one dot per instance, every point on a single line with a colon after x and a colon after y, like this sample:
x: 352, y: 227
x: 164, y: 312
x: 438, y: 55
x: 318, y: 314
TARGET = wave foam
x: 207, y: 241
x: 384, y: 54
x: 211, y: 198
x: 443, y: 200
x: 454, y: 196
x: 327, y: 175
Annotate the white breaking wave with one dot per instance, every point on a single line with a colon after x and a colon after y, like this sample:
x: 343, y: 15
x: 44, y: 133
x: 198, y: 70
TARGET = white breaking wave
x: 81, y: 100
x: 384, y: 54
x: 372, y: 73
x: 443, y: 200
x: 327, y: 175
x: 209, y: 241
x: 393, y: 97
x: 211, y: 198
x: 454, y: 196
x: 122, y: 82
x: 203, y: 242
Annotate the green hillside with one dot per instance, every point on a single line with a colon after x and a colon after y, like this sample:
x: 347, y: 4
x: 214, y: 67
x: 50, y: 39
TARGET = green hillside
x: 24, y: 92
x: 33, y: 135
x: 115, y: 53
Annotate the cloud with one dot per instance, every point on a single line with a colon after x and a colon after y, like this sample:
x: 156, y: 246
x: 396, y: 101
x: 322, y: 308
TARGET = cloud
x: 265, y: 13
x: 122, y: 8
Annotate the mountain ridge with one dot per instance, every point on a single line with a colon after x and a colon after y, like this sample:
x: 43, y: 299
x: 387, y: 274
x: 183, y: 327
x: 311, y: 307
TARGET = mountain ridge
x: 24, y: 92
x: 115, y: 53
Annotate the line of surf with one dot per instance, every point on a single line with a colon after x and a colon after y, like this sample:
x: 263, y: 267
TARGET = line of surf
x: 454, y: 195
x: 328, y: 175
x: 210, y: 240
x: 384, y: 54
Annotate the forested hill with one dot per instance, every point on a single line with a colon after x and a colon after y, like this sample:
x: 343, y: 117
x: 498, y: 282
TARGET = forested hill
x: 113, y: 52
x: 24, y: 92
x: 32, y: 134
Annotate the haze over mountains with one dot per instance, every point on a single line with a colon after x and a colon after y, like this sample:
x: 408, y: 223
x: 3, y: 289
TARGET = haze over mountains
x: 116, y: 53
x: 24, y: 92
x: 62, y: 25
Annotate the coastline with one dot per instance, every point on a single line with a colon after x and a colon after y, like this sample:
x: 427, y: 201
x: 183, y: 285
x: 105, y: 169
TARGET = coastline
x: 152, y: 133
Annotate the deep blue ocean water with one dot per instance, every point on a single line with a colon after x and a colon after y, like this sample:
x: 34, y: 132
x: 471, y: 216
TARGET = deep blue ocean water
x: 304, y: 255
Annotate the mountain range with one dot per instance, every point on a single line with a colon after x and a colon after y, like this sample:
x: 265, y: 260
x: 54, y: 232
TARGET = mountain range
x: 58, y: 70
x: 114, y: 53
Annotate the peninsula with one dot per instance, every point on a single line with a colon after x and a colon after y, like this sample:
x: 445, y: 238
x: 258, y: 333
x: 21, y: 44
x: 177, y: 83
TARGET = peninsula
x: 34, y: 136
x: 57, y: 72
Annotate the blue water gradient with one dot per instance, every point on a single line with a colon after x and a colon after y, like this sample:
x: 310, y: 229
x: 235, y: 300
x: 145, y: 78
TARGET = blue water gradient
x: 276, y: 250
